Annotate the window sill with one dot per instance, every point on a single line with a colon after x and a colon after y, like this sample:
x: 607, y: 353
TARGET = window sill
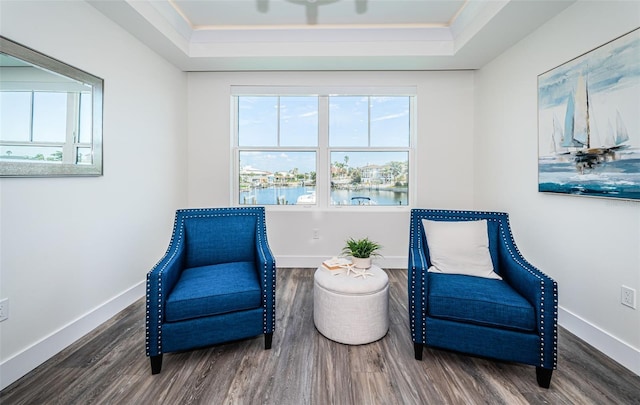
x: 337, y: 208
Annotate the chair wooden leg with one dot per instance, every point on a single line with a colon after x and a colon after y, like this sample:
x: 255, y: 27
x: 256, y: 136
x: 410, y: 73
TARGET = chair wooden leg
x: 267, y: 340
x: 156, y: 364
x: 543, y: 375
x: 417, y: 350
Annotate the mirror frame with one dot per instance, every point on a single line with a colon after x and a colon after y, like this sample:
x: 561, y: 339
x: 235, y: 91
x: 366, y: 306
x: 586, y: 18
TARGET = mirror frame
x: 58, y: 169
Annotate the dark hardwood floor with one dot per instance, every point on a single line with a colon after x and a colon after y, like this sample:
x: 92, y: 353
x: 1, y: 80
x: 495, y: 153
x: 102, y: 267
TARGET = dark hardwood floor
x: 108, y: 366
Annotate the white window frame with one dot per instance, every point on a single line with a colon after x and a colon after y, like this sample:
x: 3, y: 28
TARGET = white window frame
x: 323, y: 150
x: 71, y: 143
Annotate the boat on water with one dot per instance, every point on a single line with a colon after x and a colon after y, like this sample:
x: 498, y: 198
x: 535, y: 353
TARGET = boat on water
x: 580, y: 138
x: 307, y: 199
x: 362, y: 201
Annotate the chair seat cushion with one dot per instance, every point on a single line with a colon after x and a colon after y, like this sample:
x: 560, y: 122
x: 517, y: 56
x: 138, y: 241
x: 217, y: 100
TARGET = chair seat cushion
x: 212, y: 290
x: 479, y: 301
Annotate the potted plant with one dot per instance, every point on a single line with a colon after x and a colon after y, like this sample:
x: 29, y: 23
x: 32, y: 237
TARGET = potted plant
x: 361, y: 250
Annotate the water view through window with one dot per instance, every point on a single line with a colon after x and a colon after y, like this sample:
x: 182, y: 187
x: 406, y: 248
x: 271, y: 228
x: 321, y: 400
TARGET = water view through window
x: 369, y: 178
x: 277, y: 177
x: 357, y: 178
x: 362, y: 157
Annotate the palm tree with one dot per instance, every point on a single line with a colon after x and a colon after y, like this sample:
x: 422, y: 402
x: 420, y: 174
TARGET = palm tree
x: 395, y: 169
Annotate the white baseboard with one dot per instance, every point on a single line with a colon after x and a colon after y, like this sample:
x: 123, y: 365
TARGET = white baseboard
x: 31, y: 357
x: 619, y: 351
x: 387, y: 262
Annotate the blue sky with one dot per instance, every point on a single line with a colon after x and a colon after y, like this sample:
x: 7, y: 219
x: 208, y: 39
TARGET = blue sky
x: 607, y: 68
x: 612, y: 76
x: 50, y: 116
x: 298, y: 127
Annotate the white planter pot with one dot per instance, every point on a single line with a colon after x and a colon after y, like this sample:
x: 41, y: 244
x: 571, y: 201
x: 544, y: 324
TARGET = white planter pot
x: 362, y: 263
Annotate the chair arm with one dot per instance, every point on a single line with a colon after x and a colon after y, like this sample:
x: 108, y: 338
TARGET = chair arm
x: 267, y: 269
x: 160, y: 281
x: 417, y: 291
x: 526, y: 279
x: 542, y: 293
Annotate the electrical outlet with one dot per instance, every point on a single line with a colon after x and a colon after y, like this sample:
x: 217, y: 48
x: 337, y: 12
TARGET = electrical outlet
x: 4, y: 309
x: 316, y: 233
x: 628, y: 296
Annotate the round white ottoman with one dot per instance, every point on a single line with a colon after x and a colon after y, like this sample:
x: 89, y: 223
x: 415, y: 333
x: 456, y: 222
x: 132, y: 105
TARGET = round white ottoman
x: 351, y: 310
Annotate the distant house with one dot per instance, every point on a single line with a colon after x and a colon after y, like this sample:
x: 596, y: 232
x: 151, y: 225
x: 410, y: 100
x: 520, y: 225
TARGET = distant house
x: 372, y: 174
x: 255, y: 177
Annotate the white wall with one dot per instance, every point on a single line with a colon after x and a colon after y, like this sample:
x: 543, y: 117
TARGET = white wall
x: 75, y: 251
x: 590, y: 246
x: 444, y: 166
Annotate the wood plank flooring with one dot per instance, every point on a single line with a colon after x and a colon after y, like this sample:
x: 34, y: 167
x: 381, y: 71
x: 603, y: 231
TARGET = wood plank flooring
x: 109, y: 366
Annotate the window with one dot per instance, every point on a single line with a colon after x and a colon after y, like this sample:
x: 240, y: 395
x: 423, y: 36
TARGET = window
x: 322, y: 148
x: 45, y: 126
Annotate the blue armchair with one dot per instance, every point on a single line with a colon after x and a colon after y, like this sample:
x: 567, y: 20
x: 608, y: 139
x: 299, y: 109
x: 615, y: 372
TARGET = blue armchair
x: 512, y: 319
x: 216, y: 283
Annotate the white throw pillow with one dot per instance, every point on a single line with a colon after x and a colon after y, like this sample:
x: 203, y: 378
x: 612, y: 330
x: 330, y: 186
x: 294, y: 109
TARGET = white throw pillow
x: 460, y: 247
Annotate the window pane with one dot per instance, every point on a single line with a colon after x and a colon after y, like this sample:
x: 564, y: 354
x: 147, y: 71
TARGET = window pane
x: 84, y: 156
x: 348, y: 121
x: 390, y: 121
x: 298, y: 121
x: 84, y: 126
x: 49, y: 117
x: 30, y: 153
x: 277, y: 177
x: 258, y: 121
x: 15, y: 110
x: 369, y: 178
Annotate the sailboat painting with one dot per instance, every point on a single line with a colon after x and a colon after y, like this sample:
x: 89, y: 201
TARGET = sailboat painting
x: 589, y: 123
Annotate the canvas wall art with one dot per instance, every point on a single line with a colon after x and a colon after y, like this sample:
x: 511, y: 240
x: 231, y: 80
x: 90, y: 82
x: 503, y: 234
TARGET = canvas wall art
x: 589, y: 123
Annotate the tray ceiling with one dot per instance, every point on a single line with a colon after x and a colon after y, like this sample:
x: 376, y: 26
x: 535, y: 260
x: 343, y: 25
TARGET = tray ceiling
x: 221, y: 35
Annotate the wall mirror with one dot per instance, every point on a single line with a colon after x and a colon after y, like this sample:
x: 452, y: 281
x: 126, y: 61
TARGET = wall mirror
x: 50, y: 116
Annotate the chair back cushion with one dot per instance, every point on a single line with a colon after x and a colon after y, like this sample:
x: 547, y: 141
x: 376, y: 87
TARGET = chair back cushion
x: 459, y: 247
x: 215, y: 239
x: 496, y: 222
